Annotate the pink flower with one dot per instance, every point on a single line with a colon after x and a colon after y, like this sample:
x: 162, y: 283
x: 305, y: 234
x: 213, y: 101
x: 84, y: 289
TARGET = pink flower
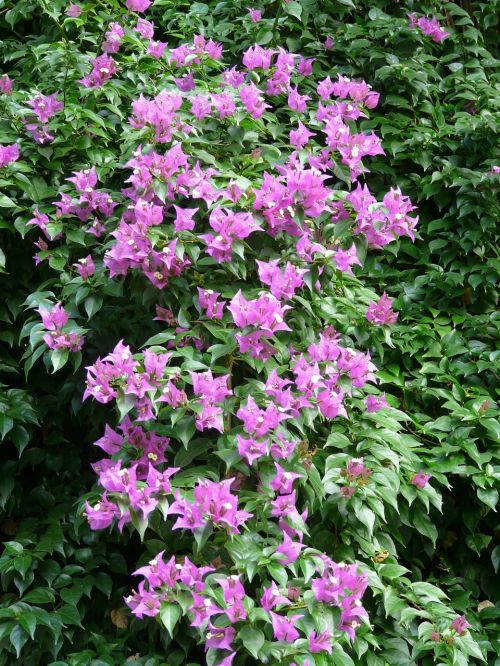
x: 251, y: 449
x: 282, y: 283
x: 257, y: 58
x: 185, y: 83
x: 233, y: 590
x: 184, y: 218
x: 74, y: 11
x: 232, y: 77
x: 358, y: 91
x: 8, y: 154
x: 375, y: 402
x: 265, y: 312
x: 344, y: 259
x: 102, y: 514
x: 229, y: 226
x: 137, y: 5
x: 325, y: 88
x: 41, y: 220
x: 45, y: 106
x: 356, y: 467
x: 146, y: 29
x: 213, y: 50
x: 85, y: 267
x: 103, y: 68
x: 227, y: 661
x: 255, y: 15
x: 321, y: 642
x: 429, y: 27
x: 420, y: 479
x: 297, y: 102
x: 55, y: 318
x: 200, y: 106
x: 328, y: 45
x: 143, y: 603
x: 5, y: 84
x: 283, y: 481
x: 304, y: 68
x: 289, y: 549
x: 208, y: 388
x: 253, y: 100
x: 272, y: 597
x: 258, y: 422
x: 224, y: 104
x: 156, y: 49
x: 460, y: 625
x: 220, y: 638
x: 190, y: 516
x: 282, y: 449
x: 381, y: 313
x: 113, y: 38
x: 330, y: 403
x: 300, y: 137
x: 208, y: 301
x: 284, y: 627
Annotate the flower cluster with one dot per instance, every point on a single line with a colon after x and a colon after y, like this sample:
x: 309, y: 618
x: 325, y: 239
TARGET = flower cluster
x: 6, y: 84
x: 229, y: 227
x: 212, y: 503
x: 55, y: 322
x: 429, y: 27
x: 113, y: 38
x: 136, y: 488
x: 91, y: 205
x: 44, y: 108
x: 381, y: 222
x: 381, y: 312
x: 8, y: 154
x: 356, y: 475
x: 186, y: 222
x: 214, y: 615
x: 103, y: 69
x: 420, y: 480
x: 74, y: 11
x: 264, y: 315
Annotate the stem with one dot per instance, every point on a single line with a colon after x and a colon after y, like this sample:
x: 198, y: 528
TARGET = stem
x: 54, y: 20
x: 66, y: 45
x: 279, y: 11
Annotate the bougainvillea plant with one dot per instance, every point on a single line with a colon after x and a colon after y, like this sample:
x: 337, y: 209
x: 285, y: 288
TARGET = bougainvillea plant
x: 230, y: 205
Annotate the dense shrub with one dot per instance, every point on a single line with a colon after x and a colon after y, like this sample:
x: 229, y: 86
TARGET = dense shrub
x: 296, y: 467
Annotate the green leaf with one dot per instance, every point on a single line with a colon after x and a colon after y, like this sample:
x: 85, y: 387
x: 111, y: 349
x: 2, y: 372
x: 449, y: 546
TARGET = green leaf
x: 392, y: 603
x: 495, y: 558
x: 59, y: 358
x: 40, y: 595
x: 92, y: 305
x: 6, y: 202
x: 294, y: 9
x: 124, y: 402
x: 264, y: 37
x: 489, y: 497
x: 425, y: 526
x: 18, y: 638
x: 252, y: 638
x: 169, y: 616
x: 141, y: 524
x: 185, y: 429
x: 367, y: 518
x: 28, y: 623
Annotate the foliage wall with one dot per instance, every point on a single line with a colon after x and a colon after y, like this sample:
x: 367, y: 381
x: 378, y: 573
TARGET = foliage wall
x: 263, y: 280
